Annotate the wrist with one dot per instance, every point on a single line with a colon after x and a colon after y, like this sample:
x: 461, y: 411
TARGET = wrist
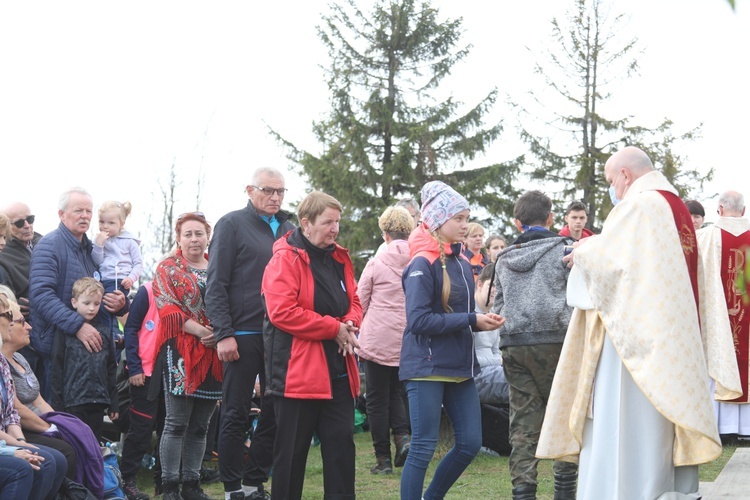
x: 22, y: 440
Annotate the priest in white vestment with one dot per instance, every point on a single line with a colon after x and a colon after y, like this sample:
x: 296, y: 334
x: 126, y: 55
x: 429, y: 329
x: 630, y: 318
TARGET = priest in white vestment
x: 630, y: 398
x: 723, y: 248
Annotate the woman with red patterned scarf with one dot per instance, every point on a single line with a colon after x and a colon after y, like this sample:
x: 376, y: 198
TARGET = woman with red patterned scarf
x: 191, y: 371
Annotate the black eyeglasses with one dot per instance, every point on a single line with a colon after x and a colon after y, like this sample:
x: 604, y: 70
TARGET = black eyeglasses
x: 20, y: 222
x: 269, y: 191
x: 8, y: 315
x: 197, y: 214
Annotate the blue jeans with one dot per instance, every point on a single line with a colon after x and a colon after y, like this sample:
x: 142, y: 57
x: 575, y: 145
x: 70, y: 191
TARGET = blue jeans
x: 461, y: 403
x: 51, y: 473
x: 16, y: 477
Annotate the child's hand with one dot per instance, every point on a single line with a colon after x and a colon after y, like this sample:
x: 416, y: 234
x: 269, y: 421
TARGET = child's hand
x: 489, y: 321
x: 101, y: 238
x: 114, y: 416
x: 126, y: 283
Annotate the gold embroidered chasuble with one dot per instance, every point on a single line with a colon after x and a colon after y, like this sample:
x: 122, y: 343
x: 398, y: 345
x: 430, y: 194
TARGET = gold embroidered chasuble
x: 636, y: 275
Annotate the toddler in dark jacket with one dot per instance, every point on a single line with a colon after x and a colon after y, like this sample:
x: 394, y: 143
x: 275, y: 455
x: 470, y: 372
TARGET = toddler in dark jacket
x: 86, y: 365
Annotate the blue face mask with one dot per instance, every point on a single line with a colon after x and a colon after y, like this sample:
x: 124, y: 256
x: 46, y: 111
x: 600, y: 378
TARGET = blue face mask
x: 613, y: 196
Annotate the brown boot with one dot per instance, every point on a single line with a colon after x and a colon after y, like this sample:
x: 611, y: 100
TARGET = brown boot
x: 383, y: 466
x: 403, y: 443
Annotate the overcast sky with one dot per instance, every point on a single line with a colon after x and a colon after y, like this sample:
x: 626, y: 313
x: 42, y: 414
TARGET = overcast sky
x: 107, y: 95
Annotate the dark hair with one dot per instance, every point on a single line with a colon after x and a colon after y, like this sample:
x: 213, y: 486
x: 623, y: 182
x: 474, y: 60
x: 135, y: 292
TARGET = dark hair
x: 695, y: 208
x: 576, y: 206
x: 486, y: 273
x: 533, y: 208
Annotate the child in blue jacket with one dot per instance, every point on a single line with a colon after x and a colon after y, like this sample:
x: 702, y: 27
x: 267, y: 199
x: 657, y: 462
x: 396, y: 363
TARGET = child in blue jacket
x: 437, y: 353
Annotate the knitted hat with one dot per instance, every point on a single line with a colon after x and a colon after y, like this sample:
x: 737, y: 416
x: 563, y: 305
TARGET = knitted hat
x: 440, y: 203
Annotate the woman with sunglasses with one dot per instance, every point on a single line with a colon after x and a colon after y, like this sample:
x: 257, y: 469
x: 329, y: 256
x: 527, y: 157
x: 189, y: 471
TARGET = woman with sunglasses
x: 39, y: 422
x: 48, y: 465
x: 191, y: 370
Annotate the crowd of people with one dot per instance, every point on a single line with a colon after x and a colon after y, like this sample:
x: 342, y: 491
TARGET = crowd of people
x: 627, y: 389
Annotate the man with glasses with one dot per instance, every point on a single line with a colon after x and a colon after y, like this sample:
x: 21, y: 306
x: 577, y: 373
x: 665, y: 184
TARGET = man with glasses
x: 16, y: 256
x: 240, y: 249
x: 16, y: 260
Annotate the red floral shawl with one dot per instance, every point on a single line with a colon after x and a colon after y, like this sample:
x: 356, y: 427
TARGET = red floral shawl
x: 179, y: 299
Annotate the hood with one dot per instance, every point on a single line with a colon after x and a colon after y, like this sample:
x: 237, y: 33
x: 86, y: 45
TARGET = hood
x: 128, y: 236
x: 524, y: 253
x: 396, y: 256
x: 421, y: 240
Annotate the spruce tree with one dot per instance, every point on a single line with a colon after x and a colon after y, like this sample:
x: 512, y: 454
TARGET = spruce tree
x: 388, y: 132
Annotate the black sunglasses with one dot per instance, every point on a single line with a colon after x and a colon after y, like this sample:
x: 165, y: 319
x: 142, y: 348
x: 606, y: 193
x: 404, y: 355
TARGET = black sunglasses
x: 20, y: 222
x: 7, y: 314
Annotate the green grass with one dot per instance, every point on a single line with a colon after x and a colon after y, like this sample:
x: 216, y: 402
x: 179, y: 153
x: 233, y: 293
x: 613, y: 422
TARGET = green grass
x: 487, y: 476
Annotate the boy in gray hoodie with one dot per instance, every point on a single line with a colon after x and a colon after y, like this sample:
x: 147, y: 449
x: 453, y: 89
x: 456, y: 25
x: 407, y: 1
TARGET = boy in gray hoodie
x: 530, y: 281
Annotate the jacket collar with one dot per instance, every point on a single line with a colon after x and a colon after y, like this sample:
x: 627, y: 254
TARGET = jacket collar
x: 72, y: 241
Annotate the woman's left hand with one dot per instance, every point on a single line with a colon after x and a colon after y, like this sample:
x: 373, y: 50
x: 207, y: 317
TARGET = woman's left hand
x: 347, y: 338
x: 209, y: 341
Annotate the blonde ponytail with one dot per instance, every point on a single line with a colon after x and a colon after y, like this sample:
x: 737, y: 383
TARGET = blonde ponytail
x: 446, y: 292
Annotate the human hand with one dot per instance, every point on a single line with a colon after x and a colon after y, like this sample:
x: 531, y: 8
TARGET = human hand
x: 114, y: 301
x: 569, y: 258
x: 101, y: 238
x: 113, y: 415
x: 226, y: 349
x: 31, y: 457
x: 138, y: 380
x: 23, y: 303
x: 52, y: 429
x: 209, y: 340
x: 347, y: 338
x: 127, y: 283
x: 489, y: 321
x: 90, y: 338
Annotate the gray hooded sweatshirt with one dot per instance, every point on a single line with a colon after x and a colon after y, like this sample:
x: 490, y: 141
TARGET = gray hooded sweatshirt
x: 530, y: 284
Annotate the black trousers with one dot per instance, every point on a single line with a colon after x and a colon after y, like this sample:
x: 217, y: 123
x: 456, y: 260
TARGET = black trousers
x: 91, y: 415
x: 385, y: 406
x: 145, y: 416
x: 237, y: 386
x: 333, y: 421
x: 59, y: 445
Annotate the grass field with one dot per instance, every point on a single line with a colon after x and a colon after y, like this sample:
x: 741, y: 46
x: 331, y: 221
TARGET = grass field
x: 486, y: 477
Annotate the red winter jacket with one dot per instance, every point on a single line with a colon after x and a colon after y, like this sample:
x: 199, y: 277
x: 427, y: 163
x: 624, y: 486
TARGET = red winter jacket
x: 296, y: 365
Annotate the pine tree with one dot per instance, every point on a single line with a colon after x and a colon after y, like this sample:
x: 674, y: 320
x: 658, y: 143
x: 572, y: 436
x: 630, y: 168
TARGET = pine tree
x: 588, y: 56
x: 388, y: 132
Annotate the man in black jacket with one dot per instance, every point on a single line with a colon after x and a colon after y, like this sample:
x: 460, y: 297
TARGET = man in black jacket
x: 240, y: 249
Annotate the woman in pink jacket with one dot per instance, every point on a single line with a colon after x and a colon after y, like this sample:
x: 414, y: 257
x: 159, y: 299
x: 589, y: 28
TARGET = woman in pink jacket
x: 383, y: 303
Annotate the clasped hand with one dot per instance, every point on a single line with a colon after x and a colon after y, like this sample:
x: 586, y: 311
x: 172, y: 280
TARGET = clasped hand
x: 347, y: 338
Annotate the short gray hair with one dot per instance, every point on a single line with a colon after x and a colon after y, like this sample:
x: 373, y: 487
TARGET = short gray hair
x: 62, y: 205
x: 733, y: 202
x: 408, y: 202
x: 269, y: 171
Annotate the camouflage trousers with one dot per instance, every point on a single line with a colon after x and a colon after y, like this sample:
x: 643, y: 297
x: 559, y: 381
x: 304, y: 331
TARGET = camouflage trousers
x: 529, y: 370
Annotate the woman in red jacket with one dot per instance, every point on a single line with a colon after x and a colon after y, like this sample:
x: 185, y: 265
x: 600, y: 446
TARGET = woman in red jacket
x: 313, y: 314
